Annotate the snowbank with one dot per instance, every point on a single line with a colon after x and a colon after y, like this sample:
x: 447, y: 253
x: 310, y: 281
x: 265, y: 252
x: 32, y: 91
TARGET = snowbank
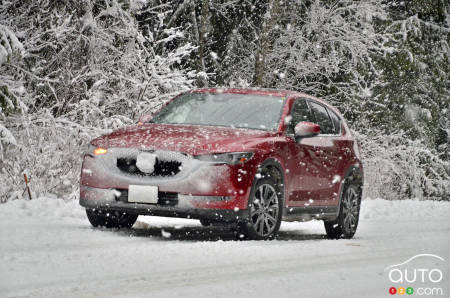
x: 49, y: 249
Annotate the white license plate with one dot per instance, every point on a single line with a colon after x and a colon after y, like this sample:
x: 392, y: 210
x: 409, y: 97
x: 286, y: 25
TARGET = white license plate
x: 143, y: 194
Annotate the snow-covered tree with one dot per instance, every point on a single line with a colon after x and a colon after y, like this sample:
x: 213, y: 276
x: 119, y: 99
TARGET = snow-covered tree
x: 71, y: 69
x: 11, y: 85
x: 85, y: 67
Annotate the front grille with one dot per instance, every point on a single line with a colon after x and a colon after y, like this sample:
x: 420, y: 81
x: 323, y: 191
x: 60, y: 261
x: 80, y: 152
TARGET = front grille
x: 163, y: 168
x: 164, y: 198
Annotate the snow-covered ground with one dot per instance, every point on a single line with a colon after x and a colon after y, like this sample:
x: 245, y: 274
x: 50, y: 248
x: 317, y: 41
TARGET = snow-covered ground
x: 48, y: 249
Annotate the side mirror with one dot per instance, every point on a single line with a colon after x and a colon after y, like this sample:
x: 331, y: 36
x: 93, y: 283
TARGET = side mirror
x: 145, y: 118
x: 306, y: 129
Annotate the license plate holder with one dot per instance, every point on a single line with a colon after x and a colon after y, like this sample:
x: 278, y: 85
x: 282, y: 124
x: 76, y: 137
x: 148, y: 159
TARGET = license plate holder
x: 143, y: 194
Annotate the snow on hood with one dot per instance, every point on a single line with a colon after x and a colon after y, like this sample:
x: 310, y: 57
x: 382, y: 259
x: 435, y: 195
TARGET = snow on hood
x: 191, y: 139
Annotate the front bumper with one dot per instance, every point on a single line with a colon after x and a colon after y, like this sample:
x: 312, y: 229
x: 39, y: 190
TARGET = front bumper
x: 202, y: 190
x: 107, y: 199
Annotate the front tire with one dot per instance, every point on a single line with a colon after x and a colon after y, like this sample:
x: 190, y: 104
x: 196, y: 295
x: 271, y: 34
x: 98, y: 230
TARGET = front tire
x: 265, y: 211
x: 110, y: 219
x: 347, y: 222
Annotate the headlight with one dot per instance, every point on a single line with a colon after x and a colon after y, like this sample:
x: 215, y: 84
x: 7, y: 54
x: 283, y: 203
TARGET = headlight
x: 232, y: 158
x: 94, y: 150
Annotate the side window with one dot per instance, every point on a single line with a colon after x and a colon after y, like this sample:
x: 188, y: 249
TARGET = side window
x: 300, y: 112
x: 336, y: 121
x: 322, y: 118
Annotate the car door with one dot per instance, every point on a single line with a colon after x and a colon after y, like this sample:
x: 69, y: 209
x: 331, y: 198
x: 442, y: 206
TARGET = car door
x: 327, y: 153
x: 338, y: 155
x: 303, y: 165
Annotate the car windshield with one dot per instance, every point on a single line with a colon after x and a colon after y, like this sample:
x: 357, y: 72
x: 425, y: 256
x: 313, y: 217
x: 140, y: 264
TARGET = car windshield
x: 223, y: 109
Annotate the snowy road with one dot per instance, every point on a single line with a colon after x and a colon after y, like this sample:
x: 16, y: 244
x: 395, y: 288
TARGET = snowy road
x: 48, y: 249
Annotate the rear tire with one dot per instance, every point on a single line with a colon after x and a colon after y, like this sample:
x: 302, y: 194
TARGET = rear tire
x: 110, y: 219
x: 347, y: 222
x: 265, y: 207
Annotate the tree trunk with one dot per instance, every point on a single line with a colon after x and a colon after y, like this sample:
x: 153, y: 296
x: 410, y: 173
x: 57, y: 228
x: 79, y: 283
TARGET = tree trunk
x: 264, y: 42
x: 199, y: 35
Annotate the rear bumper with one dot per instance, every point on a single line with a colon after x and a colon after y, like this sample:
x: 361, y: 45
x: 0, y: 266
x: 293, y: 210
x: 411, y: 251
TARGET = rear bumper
x: 106, y: 199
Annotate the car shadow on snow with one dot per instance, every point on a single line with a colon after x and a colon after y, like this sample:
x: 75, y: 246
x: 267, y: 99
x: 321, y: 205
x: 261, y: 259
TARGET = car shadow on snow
x: 201, y: 233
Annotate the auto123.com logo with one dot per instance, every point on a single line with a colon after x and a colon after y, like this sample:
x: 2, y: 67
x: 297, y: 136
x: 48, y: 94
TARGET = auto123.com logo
x: 419, y: 275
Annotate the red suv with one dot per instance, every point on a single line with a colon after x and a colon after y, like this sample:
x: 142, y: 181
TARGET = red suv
x: 249, y: 158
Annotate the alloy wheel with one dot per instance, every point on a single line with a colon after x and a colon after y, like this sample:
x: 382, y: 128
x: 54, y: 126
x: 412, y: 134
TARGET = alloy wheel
x: 350, y: 210
x: 264, y: 210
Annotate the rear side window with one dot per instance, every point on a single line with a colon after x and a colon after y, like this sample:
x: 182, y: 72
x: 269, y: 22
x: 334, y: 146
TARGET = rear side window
x: 300, y: 112
x: 322, y: 118
x: 336, y: 121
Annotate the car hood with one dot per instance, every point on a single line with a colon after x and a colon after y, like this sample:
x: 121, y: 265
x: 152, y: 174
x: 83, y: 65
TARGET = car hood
x: 190, y: 139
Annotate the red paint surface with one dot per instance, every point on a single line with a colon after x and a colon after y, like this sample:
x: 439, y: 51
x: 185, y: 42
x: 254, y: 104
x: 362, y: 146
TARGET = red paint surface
x: 310, y: 165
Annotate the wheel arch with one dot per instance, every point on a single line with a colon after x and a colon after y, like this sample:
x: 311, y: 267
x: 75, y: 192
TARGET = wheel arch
x: 272, y: 168
x: 353, y: 175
